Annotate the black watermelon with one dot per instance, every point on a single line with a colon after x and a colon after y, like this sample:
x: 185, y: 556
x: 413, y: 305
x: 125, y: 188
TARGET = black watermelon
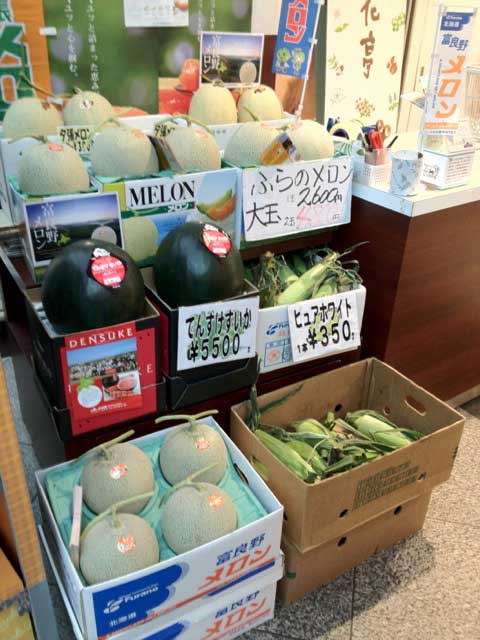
x: 74, y: 300
x: 188, y: 273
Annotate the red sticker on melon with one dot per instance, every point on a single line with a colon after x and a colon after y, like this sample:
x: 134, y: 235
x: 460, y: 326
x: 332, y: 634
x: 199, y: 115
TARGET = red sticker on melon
x: 217, y: 241
x: 215, y: 501
x: 126, y: 544
x: 54, y: 146
x: 202, y: 443
x: 106, y: 269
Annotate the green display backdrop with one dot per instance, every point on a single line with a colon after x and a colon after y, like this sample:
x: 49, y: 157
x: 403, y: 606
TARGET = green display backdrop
x: 93, y: 49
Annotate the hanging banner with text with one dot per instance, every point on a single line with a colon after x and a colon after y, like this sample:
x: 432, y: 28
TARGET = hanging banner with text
x: 292, y: 198
x: 446, y: 90
x: 324, y: 326
x: 217, y: 332
x: 296, y: 34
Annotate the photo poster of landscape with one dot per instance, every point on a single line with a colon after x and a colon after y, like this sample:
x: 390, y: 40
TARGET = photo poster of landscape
x: 54, y: 224
x: 233, y: 58
x: 133, y: 66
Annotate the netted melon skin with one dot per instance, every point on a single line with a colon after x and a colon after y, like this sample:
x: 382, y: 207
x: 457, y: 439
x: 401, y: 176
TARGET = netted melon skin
x: 195, y: 149
x: 31, y: 117
x: 47, y: 169
x: 262, y: 102
x: 100, y: 487
x: 185, y: 451
x: 141, y: 237
x: 212, y: 104
x: 100, y: 557
x: 121, y: 151
x: 247, y: 145
x: 312, y: 140
x: 79, y: 112
x: 189, y: 520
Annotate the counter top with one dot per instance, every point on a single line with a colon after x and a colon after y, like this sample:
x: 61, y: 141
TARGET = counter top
x: 428, y: 200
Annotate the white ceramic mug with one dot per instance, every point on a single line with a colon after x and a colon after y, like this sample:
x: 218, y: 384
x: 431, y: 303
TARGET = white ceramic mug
x: 406, y: 172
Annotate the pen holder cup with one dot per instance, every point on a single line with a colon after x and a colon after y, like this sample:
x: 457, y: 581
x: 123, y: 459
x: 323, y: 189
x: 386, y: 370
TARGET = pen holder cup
x: 369, y: 171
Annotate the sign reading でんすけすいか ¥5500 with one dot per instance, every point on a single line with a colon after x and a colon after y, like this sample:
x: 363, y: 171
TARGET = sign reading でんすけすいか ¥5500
x: 292, y: 198
x: 217, y: 332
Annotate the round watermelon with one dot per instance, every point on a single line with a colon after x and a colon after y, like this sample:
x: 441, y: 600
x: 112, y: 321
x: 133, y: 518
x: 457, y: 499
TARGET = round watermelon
x: 92, y: 284
x: 197, y: 263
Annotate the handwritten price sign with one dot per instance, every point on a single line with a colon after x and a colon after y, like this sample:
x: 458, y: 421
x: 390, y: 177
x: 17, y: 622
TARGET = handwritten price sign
x: 291, y: 198
x: 217, y: 332
x: 78, y: 137
x: 324, y: 326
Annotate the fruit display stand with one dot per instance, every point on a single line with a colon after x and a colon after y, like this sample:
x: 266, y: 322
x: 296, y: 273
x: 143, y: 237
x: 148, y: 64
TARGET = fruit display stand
x: 16, y: 282
x: 17, y: 530
x: 421, y: 271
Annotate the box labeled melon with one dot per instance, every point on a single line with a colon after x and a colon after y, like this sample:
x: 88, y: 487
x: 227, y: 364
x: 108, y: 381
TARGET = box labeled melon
x: 103, y: 376
x: 178, y: 547
x: 152, y: 207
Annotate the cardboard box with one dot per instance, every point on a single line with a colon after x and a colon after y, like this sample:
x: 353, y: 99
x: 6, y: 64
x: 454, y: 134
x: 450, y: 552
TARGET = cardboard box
x: 225, y: 618
x: 169, y: 200
x: 305, y: 572
x: 62, y: 362
x: 48, y: 224
x: 317, y: 513
x: 180, y: 584
x: 274, y: 347
x: 12, y: 623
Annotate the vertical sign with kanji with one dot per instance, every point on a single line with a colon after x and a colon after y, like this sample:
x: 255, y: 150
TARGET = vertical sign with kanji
x: 448, y: 73
x: 296, y: 36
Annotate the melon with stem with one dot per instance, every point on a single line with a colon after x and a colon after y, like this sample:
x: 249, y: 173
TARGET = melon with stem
x: 194, y: 148
x: 247, y: 145
x: 114, y: 472
x: 87, y: 108
x: 196, y: 513
x: 192, y: 447
x: 51, y: 168
x: 213, y: 104
x: 311, y: 140
x: 120, y: 151
x: 261, y: 101
x: 115, y: 544
x: 31, y: 117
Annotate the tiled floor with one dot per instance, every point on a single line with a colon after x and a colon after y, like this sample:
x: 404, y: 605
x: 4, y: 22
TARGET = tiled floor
x: 426, y: 588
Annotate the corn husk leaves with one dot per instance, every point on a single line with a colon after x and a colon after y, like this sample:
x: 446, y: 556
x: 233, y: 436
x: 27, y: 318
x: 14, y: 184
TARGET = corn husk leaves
x: 316, y: 450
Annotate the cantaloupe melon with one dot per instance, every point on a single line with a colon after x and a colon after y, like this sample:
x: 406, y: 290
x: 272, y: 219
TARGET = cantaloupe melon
x: 194, y: 148
x: 191, y: 448
x: 120, y: 151
x: 261, y: 103
x: 115, y: 473
x: 213, y: 104
x: 141, y: 237
x: 247, y: 145
x: 50, y: 168
x: 248, y: 72
x: 105, y: 233
x: 115, y: 545
x: 87, y: 108
x: 312, y: 140
x: 197, y: 513
x: 31, y: 117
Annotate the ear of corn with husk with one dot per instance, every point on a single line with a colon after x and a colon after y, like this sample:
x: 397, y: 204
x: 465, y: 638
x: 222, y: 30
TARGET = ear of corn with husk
x: 315, y: 450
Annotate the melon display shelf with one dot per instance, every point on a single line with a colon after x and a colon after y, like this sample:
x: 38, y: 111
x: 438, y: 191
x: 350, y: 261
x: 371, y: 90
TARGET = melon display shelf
x: 16, y: 281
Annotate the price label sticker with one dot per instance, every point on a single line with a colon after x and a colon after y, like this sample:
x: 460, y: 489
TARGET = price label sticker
x: 78, y: 137
x: 217, y: 332
x: 324, y: 326
x: 293, y: 198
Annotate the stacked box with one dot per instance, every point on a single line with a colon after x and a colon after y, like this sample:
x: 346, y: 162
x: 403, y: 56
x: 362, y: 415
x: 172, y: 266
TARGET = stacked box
x: 384, y: 500
x: 194, y: 586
